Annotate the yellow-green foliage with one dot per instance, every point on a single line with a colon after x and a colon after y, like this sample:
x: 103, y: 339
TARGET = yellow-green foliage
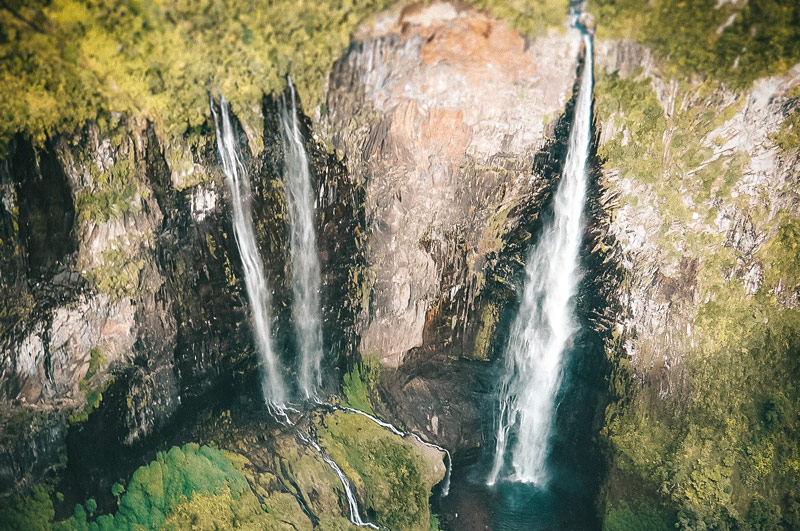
x: 721, y: 451
x: 210, y: 512
x: 195, y: 482
x: 65, y: 62
x: 33, y: 512
x: 77, y: 60
x: 530, y: 17
x: 669, y: 154
x: 111, y: 194
x: 788, y: 138
x: 623, y: 517
x: 736, y: 42
x: 782, y: 255
x: 396, y: 477
x: 359, y: 386
x: 118, y: 275
x: 93, y: 392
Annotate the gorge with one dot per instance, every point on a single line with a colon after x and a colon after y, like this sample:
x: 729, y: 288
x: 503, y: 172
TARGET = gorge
x: 410, y: 266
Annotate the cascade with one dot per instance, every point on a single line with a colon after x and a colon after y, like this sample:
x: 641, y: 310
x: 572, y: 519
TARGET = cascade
x: 545, y: 323
x: 352, y: 503
x: 258, y: 293
x: 303, y: 248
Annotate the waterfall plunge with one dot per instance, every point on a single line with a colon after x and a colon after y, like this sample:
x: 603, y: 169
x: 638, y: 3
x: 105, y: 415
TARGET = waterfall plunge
x: 258, y: 293
x: 303, y: 249
x: 545, y: 322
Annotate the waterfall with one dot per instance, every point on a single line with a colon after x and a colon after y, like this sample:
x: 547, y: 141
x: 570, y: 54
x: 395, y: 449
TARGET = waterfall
x: 258, y: 292
x: 545, y: 324
x: 352, y: 503
x: 303, y: 249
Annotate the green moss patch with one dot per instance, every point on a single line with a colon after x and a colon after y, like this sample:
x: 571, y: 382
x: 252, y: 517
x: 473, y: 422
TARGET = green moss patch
x: 735, y: 42
x: 394, y: 476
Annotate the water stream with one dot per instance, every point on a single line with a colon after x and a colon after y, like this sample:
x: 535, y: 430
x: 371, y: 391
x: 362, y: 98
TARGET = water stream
x: 352, y: 503
x: 382, y: 423
x: 303, y: 248
x: 258, y: 292
x: 545, y: 324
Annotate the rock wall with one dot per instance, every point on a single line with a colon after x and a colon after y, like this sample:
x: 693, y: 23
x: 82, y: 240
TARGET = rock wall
x: 441, y: 111
x: 123, y: 294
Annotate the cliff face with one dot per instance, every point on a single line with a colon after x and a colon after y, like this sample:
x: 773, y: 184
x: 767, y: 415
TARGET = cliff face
x: 124, y: 323
x: 441, y: 112
x: 703, y: 202
x: 123, y: 291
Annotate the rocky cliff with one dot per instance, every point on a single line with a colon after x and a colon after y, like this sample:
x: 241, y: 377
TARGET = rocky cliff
x: 124, y: 326
x: 703, y: 204
x: 442, y: 112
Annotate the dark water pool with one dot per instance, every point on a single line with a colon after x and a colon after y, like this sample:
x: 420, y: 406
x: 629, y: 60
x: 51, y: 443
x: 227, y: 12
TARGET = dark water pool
x: 567, y: 503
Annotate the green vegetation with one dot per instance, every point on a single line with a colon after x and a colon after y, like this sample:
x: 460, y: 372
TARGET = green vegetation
x: 191, y: 487
x: 529, y: 17
x: 93, y: 392
x: 672, y: 155
x: 33, y: 512
x: 111, y: 195
x: 67, y: 62
x: 118, y: 275
x: 395, y: 476
x: 788, y: 138
x: 360, y: 386
x: 736, y: 42
x: 720, y: 450
x: 623, y: 518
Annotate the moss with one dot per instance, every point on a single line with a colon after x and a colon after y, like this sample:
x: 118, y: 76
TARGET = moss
x: 118, y: 273
x: 781, y: 255
x: 112, y: 194
x: 625, y: 518
x: 395, y: 476
x: 163, y: 493
x: 723, y: 438
x: 788, y: 137
x: 490, y: 316
x: 33, y: 512
x: 671, y: 155
x: 735, y: 42
x: 359, y: 386
x: 530, y: 18
x: 69, y: 62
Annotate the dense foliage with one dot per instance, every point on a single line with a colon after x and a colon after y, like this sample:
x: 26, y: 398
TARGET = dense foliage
x: 736, y: 41
x: 359, y: 386
x: 719, y: 450
x: 66, y: 62
x: 182, y: 488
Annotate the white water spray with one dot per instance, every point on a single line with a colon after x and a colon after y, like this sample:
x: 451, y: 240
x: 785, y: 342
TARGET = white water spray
x: 258, y: 293
x: 303, y: 248
x: 545, y: 323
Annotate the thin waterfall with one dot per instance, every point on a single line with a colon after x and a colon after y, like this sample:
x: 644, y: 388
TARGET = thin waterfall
x: 545, y: 322
x: 303, y: 248
x: 255, y: 280
x: 352, y: 503
x: 383, y: 424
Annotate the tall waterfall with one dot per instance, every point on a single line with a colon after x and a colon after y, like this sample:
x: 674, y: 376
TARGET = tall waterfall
x: 303, y: 249
x: 258, y: 292
x: 545, y: 323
